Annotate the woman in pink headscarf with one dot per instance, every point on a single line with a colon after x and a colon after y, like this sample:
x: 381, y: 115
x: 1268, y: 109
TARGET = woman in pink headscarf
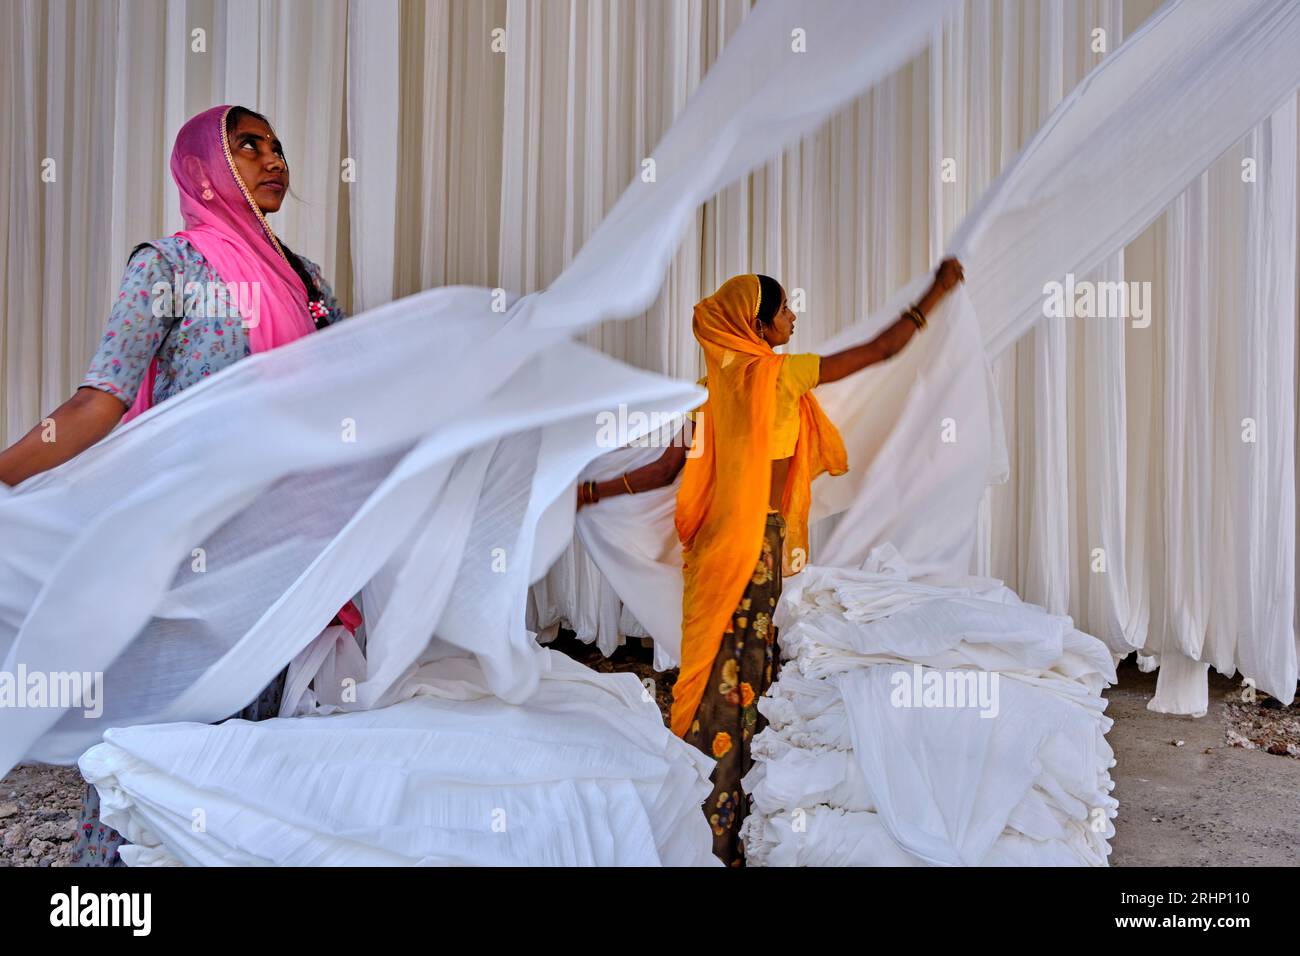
x: 193, y: 303
x: 190, y: 305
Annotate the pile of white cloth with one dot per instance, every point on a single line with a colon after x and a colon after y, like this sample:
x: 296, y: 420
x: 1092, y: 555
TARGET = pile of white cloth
x: 915, y: 723
x: 583, y: 774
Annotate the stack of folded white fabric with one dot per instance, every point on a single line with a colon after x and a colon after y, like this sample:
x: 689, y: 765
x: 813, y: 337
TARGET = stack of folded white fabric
x: 582, y: 774
x: 920, y: 723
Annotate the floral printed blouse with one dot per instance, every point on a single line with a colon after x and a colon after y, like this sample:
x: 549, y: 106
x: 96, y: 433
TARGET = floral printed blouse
x: 190, y: 347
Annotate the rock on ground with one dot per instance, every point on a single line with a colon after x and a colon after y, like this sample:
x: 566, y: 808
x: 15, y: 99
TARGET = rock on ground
x: 39, y: 806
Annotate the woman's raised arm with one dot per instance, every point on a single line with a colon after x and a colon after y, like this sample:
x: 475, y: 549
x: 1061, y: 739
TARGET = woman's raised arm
x: 891, y: 341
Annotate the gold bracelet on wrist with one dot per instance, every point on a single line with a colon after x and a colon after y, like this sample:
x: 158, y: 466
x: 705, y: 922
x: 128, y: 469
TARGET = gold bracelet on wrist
x: 627, y: 485
x: 917, y: 316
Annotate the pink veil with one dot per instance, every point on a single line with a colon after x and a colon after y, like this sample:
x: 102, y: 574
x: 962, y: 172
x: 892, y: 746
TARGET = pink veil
x: 224, y: 224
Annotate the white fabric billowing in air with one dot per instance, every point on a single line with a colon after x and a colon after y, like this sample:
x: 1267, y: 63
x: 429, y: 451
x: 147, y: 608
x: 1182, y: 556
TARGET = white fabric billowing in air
x: 1121, y: 146
x: 423, y: 453
x: 293, y: 518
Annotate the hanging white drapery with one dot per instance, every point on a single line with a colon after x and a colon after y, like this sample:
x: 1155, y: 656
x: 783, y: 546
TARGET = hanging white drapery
x: 441, y: 494
x: 1054, y: 159
x: 255, y: 52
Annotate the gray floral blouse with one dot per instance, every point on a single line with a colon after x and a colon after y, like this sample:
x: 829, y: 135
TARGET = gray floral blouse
x: 190, y: 347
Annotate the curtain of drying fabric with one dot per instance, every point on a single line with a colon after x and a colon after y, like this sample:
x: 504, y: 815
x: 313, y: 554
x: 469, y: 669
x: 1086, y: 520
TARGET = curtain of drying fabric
x: 1080, y: 527
x: 1134, y: 553
x: 521, y: 123
x: 1065, y: 495
x: 517, y: 125
x: 1227, y: 456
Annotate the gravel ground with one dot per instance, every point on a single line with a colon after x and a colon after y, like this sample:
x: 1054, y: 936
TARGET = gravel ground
x: 39, y: 806
x: 1216, y: 791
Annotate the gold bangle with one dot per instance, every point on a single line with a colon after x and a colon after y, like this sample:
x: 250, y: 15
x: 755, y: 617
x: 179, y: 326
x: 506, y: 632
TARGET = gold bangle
x: 917, y: 317
x: 627, y: 485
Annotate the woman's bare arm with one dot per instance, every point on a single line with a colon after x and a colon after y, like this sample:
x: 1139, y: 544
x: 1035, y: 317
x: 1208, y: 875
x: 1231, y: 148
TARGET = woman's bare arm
x: 660, y: 472
x: 74, y: 426
x: 891, y: 341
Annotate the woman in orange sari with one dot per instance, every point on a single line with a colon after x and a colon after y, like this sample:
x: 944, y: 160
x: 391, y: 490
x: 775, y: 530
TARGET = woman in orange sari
x: 742, y: 512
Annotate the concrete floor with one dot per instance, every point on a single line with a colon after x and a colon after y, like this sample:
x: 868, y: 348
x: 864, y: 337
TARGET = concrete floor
x: 1205, y: 803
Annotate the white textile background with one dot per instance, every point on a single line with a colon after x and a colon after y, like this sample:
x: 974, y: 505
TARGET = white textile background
x: 495, y: 168
x: 432, y: 467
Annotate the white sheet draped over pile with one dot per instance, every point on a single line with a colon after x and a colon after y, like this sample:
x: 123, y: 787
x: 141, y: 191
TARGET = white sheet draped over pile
x: 580, y: 775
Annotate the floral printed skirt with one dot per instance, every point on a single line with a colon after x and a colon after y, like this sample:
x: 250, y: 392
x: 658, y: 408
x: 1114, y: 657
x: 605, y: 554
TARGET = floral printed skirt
x: 98, y: 845
x: 728, y: 715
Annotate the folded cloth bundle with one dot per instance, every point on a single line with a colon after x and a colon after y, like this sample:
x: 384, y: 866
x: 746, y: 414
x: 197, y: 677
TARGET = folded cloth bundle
x: 925, y: 723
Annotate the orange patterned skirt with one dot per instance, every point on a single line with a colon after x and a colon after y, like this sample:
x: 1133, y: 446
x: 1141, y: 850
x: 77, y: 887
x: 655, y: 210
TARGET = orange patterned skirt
x: 728, y: 716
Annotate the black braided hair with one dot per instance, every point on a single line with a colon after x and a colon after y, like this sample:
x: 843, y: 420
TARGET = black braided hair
x: 772, y: 297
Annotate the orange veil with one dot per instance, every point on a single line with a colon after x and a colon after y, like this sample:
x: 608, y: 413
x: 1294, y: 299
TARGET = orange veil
x: 722, y: 503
